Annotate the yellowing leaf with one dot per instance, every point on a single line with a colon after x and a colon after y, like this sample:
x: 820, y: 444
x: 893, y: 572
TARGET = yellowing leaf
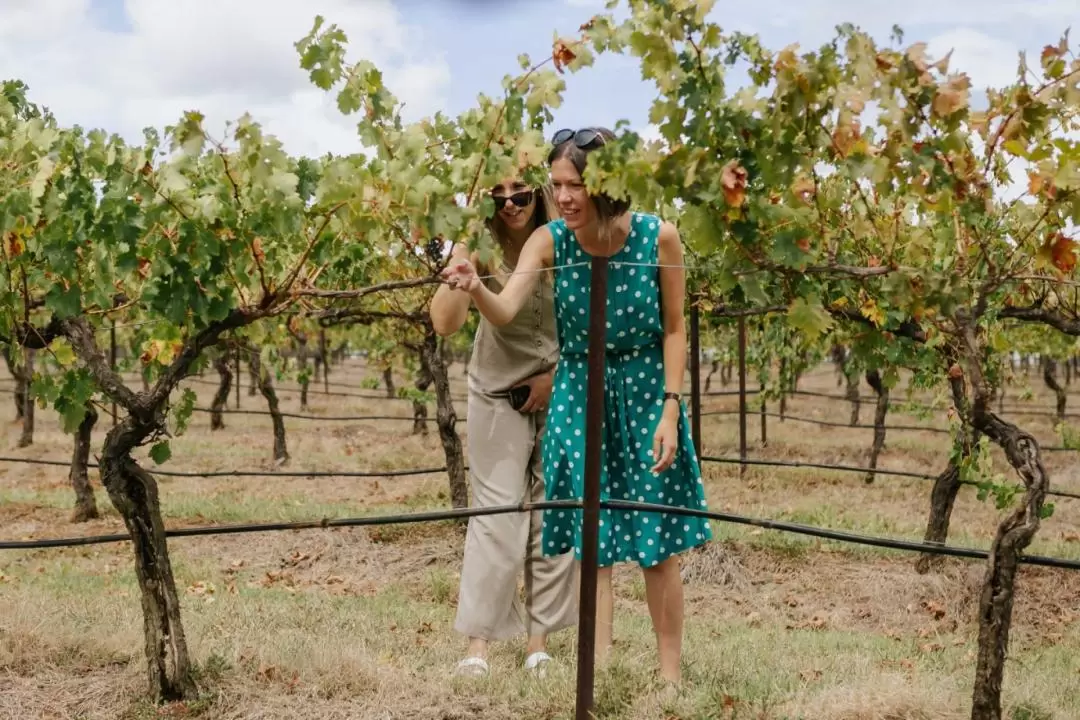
x: 870, y: 310
x: 917, y: 55
x: 786, y: 59
x: 845, y: 136
x: 952, y: 96
x: 41, y: 179
x: 733, y: 182
x: 13, y: 245
x: 562, y: 55
x: 809, y: 316
x: 62, y: 352
x: 1063, y: 252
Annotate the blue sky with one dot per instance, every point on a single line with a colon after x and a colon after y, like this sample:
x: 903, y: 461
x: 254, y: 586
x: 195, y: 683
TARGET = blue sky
x: 125, y: 64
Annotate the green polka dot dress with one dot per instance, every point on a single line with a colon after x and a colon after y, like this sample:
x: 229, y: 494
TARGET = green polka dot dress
x: 634, y: 400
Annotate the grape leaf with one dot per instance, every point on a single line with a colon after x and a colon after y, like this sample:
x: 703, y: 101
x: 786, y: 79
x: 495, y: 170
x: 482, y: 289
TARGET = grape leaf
x: 809, y: 316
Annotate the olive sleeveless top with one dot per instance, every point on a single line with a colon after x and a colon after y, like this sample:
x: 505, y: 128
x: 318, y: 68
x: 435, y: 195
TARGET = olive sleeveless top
x: 504, y: 356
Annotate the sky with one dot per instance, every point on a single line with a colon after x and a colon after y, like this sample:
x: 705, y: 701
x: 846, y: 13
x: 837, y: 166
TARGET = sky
x: 125, y: 64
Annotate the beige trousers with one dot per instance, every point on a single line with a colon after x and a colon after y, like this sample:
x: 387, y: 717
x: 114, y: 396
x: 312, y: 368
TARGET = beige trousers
x: 505, y: 468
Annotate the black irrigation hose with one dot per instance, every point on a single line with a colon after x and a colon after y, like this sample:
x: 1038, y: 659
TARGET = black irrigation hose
x: 863, y: 426
x: 829, y: 423
x: 429, y: 516
x: 300, y: 416
x: 249, y: 473
x: 898, y: 405
x: 317, y: 391
x: 728, y: 393
x: 859, y: 469
x: 817, y: 466
x: 796, y: 528
x: 839, y: 535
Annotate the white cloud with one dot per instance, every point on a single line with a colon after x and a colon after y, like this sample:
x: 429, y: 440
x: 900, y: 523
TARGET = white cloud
x: 222, y: 58
x: 911, y: 13
x: 987, y: 60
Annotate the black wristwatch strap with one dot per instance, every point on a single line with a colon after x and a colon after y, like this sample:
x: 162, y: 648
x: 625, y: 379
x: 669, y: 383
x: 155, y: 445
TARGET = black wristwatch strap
x: 672, y: 396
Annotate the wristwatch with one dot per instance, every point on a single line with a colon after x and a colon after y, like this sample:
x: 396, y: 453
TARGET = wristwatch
x: 672, y: 396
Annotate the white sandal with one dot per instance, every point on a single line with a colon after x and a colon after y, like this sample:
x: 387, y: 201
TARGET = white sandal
x: 537, y: 663
x: 472, y: 667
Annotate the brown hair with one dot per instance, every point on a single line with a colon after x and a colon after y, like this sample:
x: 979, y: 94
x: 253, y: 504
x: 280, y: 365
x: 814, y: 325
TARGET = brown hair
x: 607, y: 207
x: 544, y: 211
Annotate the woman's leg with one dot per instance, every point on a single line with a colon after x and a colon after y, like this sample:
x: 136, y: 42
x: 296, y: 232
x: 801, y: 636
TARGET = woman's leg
x: 500, y: 445
x: 664, y: 595
x: 605, y: 613
x: 551, y: 590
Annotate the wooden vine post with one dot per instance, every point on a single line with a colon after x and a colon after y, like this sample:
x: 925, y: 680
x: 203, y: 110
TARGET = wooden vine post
x: 590, y: 516
x: 742, y: 396
x: 695, y: 374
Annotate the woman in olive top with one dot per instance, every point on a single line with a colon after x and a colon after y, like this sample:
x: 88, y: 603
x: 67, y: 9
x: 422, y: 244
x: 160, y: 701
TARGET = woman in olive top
x: 510, y: 379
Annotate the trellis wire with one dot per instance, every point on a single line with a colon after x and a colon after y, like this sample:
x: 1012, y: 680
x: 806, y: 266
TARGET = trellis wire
x: 462, y: 513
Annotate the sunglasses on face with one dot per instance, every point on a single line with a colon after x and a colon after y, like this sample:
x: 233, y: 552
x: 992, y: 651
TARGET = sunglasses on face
x: 520, y: 199
x: 583, y: 139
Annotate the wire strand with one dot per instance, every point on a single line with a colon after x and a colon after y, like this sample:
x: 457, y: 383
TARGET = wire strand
x: 437, y: 515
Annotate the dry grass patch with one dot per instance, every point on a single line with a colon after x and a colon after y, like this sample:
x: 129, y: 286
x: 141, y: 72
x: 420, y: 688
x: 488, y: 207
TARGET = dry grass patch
x: 357, y: 622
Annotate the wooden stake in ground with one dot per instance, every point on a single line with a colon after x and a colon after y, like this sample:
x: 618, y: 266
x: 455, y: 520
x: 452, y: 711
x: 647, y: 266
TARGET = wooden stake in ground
x: 590, y: 517
x: 742, y: 394
x: 695, y: 374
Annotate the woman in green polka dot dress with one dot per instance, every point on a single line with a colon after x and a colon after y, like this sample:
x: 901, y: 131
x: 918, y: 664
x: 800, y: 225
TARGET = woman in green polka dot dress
x: 648, y: 455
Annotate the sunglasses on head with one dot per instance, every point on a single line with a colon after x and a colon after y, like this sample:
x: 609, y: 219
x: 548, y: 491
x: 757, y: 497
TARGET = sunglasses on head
x: 520, y: 199
x: 584, y: 138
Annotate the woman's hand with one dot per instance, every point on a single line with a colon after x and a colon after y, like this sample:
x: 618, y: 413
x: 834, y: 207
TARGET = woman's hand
x: 665, y: 442
x: 461, y: 275
x: 539, y: 391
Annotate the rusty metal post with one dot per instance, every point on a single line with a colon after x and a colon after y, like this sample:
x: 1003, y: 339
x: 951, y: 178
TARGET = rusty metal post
x: 325, y: 361
x: 764, y: 429
x: 112, y: 362
x: 695, y: 374
x: 238, y: 376
x: 742, y: 394
x: 590, y: 516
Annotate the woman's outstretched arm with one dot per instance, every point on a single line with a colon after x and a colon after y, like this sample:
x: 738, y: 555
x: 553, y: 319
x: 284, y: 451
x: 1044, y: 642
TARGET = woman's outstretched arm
x: 450, y: 309
x: 499, y: 309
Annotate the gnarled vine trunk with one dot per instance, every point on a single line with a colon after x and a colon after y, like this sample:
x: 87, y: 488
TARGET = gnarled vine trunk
x: 221, y: 397
x: 134, y: 493
x: 881, y: 409
x: 852, y: 394
x: 85, y: 504
x: 19, y: 392
x: 838, y: 355
x: 388, y: 381
x: 783, y: 389
x: 253, y: 373
x: 305, y: 381
x: 446, y: 418
x: 1049, y: 368
x: 26, y: 438
x: 947, y: 484
x: 1013, y: 535
x: 324, y: 351
x: 423, y: 382
x: 266, y: 387
x: 712, y: 371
